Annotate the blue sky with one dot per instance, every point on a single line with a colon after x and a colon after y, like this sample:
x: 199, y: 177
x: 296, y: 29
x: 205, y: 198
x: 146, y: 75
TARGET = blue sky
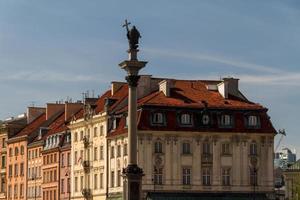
x: 51, y: 50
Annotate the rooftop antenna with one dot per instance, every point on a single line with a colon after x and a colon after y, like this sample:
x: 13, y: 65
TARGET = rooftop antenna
x: 32, y: 103
x: 93, y: 93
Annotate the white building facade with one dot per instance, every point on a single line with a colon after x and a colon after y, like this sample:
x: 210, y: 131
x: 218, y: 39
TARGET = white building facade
x: 195, y: 138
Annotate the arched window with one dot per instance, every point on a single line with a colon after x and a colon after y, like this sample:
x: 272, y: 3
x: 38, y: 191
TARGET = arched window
x: 158, y: 147
x: 16, y: 151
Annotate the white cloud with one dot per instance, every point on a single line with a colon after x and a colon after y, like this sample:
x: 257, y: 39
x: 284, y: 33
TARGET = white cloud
x: 52, y: 76
x: 213, y: 58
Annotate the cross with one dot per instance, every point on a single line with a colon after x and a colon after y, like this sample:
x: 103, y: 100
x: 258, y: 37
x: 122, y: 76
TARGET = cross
x: 126, y: 24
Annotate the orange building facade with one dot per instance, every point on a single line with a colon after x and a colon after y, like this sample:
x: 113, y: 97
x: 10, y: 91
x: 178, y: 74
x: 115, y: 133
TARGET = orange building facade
x: 35, y: 162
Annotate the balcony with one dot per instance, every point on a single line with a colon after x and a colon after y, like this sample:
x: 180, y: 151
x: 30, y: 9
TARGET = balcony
x: 86, y: 141
x: 86, y: 166
x: 86, y: 192
x: 207, y: 159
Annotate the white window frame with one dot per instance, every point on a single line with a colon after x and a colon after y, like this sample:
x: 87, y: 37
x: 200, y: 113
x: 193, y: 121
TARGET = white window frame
x: 206, y: 176
x: 157, y: 118
x: 226, y: 176
x: 158, y: 176
x: 186, y: 176
x: 186, y: 119
x: 158, y: 147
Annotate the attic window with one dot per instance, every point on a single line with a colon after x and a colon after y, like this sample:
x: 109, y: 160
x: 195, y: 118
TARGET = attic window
x: 158, y: 118
x: 226, y: 120
x: 252, y: 121
x: 186, y: 119
x: 116, y: 122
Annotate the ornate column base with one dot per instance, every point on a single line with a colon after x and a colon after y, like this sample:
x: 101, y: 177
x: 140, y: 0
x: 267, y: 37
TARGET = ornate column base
x: 132, y: 182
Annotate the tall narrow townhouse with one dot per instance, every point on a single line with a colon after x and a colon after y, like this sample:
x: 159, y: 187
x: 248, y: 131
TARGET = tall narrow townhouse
x: 17, y: 159
x: 56, y: 145
x: 8, y: 129
x: 88, y: 152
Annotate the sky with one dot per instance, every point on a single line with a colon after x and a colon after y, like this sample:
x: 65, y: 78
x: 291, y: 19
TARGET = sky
x: 56, y: 50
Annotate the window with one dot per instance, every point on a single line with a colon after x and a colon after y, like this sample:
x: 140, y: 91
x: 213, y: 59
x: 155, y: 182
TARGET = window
x: 206, y: 148
x: 119, y: 178
x: 186, y: 148
x: 95, y: 153
x: 252, y: 121
x: 225, y: 176
x: 95, y: 131
x: 10, y: 152
x: 75, y: 137
x: 186, y: 119
x: 158, y: 147
x: 81, y: 135
x: 21, y: 190
x: 10, y: 170
x: 101, y: 180
x: 15, y: 190
x: 205, y: 119
x: 158, y: 175
x: 62, y: 159
x: 186, y: 176
x: 253, y: 177
x: 3, y: 143
x: 101, y: 152
x: 112, y: 178
x: 226, y: 149
x: 22, y: 150
x: 76, y: 184
x: 95, y: 181
x: 253, y: 149
x: 9, y: 191
x: 119, y: 151
x: 226, y: 121
x: 81, y: 183
x: 62, y: 186
x: 206, y: 174
x: 3, y: 164
x: 112, y: 152
x: 16, y: 170
x: 101, y: 130
x: 157, y: 118
x: 68, y: 185
x: 125, y: 150
x: 22, y: 169
x: 16, y: 151
x: 69, y: 158
x: 75, y: 157
x: 2, y: 184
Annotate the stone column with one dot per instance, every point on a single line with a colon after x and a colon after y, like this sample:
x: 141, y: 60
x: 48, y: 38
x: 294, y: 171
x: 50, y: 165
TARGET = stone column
x: 132, y: 173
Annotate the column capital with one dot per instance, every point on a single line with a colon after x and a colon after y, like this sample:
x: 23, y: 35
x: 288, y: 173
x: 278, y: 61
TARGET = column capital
x: 132, y: 80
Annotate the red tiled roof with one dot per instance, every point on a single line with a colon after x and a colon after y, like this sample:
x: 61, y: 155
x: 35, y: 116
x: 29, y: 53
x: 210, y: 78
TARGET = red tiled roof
x: 31, y: 127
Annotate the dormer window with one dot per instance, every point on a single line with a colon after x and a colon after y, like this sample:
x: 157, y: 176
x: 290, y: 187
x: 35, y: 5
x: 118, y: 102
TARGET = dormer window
x: 158, y: 118
x: 205, y: 119
x: 186, y: 119
x: 226, y: 120
x: 115, y: 122
x: 252, y: 121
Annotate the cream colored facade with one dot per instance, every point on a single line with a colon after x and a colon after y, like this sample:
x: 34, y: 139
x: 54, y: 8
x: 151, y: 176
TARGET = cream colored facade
x: 92, y: 177
x: 172, y: 161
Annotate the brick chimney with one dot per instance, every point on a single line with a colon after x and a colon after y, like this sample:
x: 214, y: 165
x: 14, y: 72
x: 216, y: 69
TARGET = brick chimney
x: 71, y: 109
x: 53, y: 108
x: 34, y: 112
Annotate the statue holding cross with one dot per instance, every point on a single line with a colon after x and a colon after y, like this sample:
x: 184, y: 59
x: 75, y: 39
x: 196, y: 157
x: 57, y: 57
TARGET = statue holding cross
x: 133, y: 36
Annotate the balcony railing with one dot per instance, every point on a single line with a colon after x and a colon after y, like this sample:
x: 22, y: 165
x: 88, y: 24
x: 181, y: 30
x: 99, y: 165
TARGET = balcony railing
x: 86, y: 141
x: 86, y: 192
x: 86, y: 166
x: 206, y: 158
